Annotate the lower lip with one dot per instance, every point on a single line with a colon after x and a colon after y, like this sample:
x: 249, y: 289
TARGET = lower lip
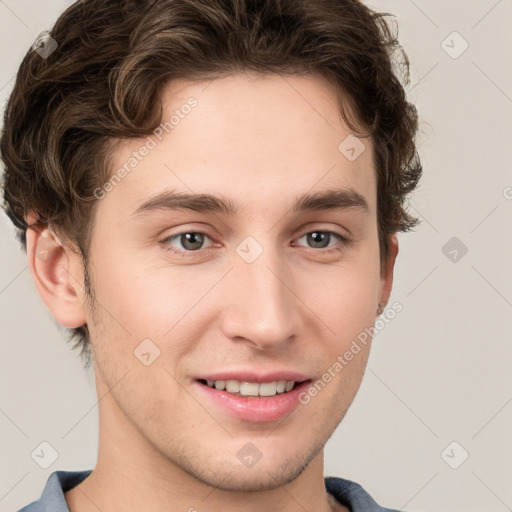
x: 255, y: 408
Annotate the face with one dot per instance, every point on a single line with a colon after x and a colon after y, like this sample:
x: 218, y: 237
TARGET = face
x: 262, y: 282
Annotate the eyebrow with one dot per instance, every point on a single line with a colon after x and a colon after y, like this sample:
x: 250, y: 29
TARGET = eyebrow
x: 318, y: 201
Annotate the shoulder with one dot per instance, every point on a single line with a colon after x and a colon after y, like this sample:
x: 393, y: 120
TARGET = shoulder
x: 57, y: 484
x: 352, y: 495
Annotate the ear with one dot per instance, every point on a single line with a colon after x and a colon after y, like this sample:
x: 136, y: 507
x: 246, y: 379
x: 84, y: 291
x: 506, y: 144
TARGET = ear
x: 52, y: 266
x: 386, y: 279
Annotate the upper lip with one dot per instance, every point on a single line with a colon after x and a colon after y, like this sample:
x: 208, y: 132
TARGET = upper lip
x: 253, y: 376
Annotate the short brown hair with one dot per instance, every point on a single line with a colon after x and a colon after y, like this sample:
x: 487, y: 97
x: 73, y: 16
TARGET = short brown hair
x: 114, y: 57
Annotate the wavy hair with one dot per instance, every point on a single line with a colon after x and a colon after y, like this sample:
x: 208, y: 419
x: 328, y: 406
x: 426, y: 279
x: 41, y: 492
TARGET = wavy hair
x: 113, y: 57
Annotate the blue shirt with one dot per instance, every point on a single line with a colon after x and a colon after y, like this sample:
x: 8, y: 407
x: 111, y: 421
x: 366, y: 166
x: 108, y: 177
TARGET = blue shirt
x: 347, y: 493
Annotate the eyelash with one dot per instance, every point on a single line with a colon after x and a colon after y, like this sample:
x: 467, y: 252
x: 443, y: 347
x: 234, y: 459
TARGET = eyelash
x: 341, y: 245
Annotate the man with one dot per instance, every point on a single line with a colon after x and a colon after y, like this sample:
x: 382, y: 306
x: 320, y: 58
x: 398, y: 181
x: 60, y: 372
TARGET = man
x: 209, y: 194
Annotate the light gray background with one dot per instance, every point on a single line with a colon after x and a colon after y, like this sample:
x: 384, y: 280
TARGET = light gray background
x: 438, y: 373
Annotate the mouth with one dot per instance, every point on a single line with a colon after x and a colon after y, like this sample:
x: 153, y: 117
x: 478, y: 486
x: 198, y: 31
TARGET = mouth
x: 251, y: 401
x: 242, y: 388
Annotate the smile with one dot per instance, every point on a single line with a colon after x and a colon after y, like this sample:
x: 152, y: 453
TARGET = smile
x: 242, y: 388
x: 253, y: 401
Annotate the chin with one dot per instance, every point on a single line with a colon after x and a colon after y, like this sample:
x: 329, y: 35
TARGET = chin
x: 265, y: 475
x: 254, y: 480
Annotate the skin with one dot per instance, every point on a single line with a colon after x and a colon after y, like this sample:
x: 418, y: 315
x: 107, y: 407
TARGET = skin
x: 260, y: 141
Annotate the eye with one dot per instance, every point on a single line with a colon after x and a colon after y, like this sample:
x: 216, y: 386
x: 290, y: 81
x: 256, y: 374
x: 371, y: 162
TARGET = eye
x: 184, y: 244
x: 321, y: 239
x: 189, y: 241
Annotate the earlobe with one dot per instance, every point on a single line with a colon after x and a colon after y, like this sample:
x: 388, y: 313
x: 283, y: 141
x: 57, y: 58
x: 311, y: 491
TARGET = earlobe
x: 49, y: 263
x: 387, y: 273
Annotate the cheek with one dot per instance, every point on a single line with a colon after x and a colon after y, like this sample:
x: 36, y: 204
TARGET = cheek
x: 136, y: 303
x: 158, y: 301
x: 345, y: 297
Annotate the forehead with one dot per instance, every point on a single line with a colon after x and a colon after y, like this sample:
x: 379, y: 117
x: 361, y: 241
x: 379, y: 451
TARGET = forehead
x: 246, y: 137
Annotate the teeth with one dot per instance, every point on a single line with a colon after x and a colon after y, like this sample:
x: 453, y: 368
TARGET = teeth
x: 249, y: 388
x: 220, y: 384
x: 252, y: 388
x: 268, y: 388
x: 232, y: 386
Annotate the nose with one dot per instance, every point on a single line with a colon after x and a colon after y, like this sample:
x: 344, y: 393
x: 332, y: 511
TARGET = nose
x: 259, y: 304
